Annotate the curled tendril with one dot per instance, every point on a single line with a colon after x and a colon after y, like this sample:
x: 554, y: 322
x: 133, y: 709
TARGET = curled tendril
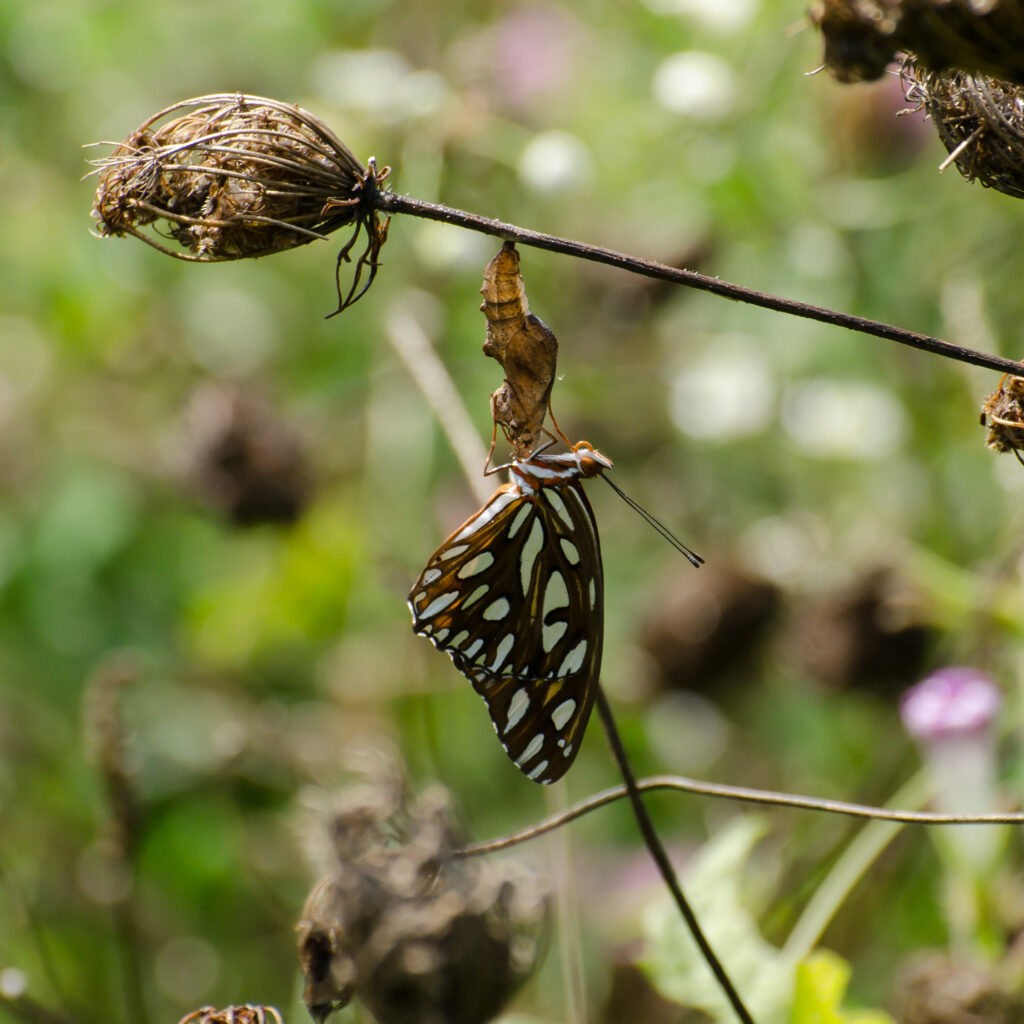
x: 364, y: 199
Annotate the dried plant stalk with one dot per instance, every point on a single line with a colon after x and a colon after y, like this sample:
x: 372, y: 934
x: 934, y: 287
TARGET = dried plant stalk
x: 232, y: 176
x: 863, y: 36
x: 526, y: 349
x: 980, y: 120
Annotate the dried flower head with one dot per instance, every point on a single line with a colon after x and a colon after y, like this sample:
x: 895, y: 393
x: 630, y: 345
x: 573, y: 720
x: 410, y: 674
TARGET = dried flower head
x: 246, y: 460
x: 246, y: 1013
x: 980, y: 121
x: 232, y: 176
x: 937, y: 988
x: 417, y: 934
x: 863, y: 36
x: 1003, y: 414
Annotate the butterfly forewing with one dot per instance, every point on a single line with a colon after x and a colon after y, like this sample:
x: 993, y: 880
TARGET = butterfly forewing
x: 515, y: 598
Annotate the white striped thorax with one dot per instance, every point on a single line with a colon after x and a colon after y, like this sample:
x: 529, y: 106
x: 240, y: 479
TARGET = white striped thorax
x: 529, y: 475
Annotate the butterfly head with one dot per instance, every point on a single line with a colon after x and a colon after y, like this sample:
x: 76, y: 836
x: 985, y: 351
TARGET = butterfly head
x: 589, y: 459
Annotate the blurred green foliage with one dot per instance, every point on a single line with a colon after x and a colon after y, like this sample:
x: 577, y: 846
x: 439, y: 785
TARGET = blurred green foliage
x: 796, y: 454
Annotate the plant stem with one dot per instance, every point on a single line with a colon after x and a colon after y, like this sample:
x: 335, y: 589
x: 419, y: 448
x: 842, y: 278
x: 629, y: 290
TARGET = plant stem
x: 847, y: 871
x: 657, y: 851
x: 390, y: 202
x: 753, y: 796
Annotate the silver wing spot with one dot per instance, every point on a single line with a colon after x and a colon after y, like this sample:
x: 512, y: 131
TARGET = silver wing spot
x: 506, y: 645
x: 593, y: 593
x: 439, y: 604
x: 528, y: 556
x: 556, y: 594
x: 516, y: 709
x: 476, y: 595
x: 555, y: 501
x: 574, y: 659
x: 430, y: 575
x: 561, y: 715
x: 538, y: 771
x: 495, y: 506
x: 550, y: 635
x: 452, y: 552
x: 569, y: 550
x: 475, y: 565
x: 497, y: 610
x: 475, y: 646
x: 459, y: 639
x: 533, y: 748
x: 442, y: 634
x: 520, y: 518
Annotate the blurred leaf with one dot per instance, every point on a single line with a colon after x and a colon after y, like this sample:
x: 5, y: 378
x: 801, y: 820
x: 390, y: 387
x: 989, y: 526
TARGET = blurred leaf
x: 821, y: 982
x: 713, y: 885
x: 287, y: 589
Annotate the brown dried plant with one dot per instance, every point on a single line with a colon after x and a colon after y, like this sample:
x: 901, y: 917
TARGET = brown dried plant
x: 863, y: 36
x: 980, y: 121
x: 526, y: 349
x: 417, y: 934
x: 1003, y: 414
x: 246, y: 1013
x: 231, y: 176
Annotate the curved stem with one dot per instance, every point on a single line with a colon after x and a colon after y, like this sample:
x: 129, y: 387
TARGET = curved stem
x: 744, y: 795
x: 657, y: 851
x: 865, y: 848
x: 390, y: 202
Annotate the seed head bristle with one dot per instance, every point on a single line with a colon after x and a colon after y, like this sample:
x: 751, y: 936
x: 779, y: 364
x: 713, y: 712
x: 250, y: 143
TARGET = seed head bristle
x: 979, y: 119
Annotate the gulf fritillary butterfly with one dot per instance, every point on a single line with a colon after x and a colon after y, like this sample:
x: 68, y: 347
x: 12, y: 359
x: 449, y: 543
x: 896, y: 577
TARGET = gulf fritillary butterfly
x: 515, y: 597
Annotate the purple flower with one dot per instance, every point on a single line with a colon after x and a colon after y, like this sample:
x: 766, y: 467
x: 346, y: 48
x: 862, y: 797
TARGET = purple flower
x: 951, y: 716
x: 954, y: 701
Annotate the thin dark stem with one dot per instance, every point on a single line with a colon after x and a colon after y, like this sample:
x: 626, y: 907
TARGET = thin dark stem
x: 390, y: 202
x: 28, y: 1010
x: 657, y: 851
x: 743, y: 794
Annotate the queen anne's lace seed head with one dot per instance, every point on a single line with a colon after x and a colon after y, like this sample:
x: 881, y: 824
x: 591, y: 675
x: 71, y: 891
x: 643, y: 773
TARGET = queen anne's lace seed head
x: 232, y: 176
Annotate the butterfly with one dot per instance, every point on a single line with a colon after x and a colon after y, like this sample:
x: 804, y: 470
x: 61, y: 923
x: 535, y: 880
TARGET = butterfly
x: 515, y: 597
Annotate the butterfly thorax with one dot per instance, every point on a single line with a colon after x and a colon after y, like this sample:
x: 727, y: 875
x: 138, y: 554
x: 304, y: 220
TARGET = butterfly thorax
x: 530, y: 475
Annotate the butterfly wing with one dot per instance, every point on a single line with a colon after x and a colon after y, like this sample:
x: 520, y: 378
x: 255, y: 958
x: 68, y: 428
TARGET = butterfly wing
x: 515, y: 597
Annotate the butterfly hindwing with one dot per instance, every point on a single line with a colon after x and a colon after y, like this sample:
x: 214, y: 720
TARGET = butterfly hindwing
x: 515, y: 598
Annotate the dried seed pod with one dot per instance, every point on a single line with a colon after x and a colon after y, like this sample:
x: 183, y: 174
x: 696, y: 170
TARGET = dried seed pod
x: 980, y: 121
x: 246, y: 460
x: 247, y: 1013
x: 934, y: 988
x: 415, y: 933
x: 1003, y: 414
x: 233, y: 177
x: 863, y: 36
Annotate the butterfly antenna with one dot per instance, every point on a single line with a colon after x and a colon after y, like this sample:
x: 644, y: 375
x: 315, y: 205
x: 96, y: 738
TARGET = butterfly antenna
x: 660, y: 527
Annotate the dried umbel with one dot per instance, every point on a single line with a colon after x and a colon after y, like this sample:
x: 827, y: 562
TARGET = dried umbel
x: 862, y: 36
x: 418, y: 935
x: 1003, y: 414
x: 232, y: 176
x: 980, y: 120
